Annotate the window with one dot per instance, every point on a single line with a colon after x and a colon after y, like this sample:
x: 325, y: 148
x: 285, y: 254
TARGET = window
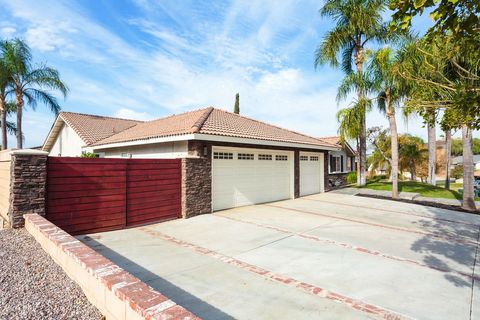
x: 223, y: 155
x: 303, y: 158
x: 245, y: 156
x: 279, y: 157
x: 313, y: 158
x: 264, y: 157
x: 335, y: 163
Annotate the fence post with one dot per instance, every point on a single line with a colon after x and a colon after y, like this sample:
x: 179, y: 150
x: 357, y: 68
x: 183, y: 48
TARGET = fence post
x: 28, y: 182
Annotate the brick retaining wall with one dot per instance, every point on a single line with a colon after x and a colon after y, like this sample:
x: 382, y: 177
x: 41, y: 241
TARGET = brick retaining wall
x: 115, y: 292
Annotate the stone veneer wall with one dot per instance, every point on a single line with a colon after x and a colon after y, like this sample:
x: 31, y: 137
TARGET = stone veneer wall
x: 337, y: 179
x: 28, y: 182
x: 196, y: 181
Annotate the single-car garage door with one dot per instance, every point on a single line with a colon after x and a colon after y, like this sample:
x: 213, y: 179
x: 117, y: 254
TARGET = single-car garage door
x: 311, y: 173
x: 248, y: 176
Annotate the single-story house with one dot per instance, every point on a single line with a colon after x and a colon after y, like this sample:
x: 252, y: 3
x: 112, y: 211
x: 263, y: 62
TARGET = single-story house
x: 245, y: 161
x: 340, y: 162
x: 458, y: 161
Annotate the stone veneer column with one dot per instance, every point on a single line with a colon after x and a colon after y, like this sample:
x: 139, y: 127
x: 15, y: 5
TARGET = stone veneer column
x: 197, y: 180
x: 296, y: 174
x: 27, y: 185
x: 326, y: 170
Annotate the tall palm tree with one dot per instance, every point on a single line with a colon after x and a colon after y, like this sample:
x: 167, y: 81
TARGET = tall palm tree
x: 32, y: 83
x: 431, y: 119
x: 349, y: 127
x: 391, y: 91
x: 357, y: 22
x: 5, y: 81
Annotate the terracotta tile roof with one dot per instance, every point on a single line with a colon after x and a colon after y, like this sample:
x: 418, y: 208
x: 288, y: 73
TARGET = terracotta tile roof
x: 332, y: 140
x: 92, y: 128
x: 214, y: 122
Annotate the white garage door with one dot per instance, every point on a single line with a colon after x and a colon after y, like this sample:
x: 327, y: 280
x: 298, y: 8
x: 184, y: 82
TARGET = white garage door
x: 249, y: 176
x: 311, y: 173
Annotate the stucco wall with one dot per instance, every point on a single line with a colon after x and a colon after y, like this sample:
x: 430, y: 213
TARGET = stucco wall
x: 176, y: 149
x: 5, y: 177
x: 67, y: 144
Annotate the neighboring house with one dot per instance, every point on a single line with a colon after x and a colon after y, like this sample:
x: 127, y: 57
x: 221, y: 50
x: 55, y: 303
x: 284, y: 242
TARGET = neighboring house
x: 241, y: 161
x: 72, y: 132
x: 458, y: 161
x: 340, y: 162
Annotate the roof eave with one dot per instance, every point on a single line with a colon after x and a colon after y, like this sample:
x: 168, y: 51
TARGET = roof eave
x: 214, y: 138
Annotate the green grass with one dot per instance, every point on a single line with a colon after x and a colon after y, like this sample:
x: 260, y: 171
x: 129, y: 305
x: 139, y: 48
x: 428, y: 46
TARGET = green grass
x: 424, y: 189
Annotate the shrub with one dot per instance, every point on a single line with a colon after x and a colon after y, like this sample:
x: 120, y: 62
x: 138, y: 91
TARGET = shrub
x: 457, y: 172
x: 352, y: 177
x: 89, y: 155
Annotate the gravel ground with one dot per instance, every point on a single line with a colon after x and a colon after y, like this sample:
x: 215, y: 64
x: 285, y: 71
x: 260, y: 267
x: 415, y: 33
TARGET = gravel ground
x: 33, y: 286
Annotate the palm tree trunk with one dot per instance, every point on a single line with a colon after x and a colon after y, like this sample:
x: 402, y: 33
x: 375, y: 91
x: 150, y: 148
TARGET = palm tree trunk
x: 394, y: 145
x: 432, y: 151
x: 3, y: 115
x: 468, y: 194
x: 363, y: 131
x: 448, y: 155
x: 19, y: 97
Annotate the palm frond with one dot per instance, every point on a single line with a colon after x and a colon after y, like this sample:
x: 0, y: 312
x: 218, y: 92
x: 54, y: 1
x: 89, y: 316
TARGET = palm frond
x: 46, y: 98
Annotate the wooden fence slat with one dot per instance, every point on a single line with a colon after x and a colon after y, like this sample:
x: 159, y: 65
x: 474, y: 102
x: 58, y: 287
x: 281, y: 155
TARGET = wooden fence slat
x: 92, y: 195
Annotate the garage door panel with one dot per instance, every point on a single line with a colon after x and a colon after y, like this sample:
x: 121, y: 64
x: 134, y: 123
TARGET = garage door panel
x: 238, y: 182
x: 311, y: 173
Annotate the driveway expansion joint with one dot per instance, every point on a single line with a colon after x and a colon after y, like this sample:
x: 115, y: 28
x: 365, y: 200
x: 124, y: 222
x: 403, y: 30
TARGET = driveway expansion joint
x: 279, y: 278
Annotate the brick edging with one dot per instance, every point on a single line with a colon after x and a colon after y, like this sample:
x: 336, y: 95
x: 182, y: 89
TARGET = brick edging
x: 115, y: 292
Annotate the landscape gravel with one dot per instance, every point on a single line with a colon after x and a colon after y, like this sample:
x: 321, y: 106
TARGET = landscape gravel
x: 33, y: 286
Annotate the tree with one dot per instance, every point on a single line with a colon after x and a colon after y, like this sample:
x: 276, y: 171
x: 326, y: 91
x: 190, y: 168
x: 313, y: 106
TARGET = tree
x: 32, y: 83
x: 448, y: 156
x: 236, y: 108
x: 457, y: 146
x: 391, y: 91
x: 357, y: 22
x: 5, y: 81
x: 459, y: 18
x: 381, y: 155
x: 431, y: 123
x: 412, y: 154
x: 445, y: 74
x: 349, y: 126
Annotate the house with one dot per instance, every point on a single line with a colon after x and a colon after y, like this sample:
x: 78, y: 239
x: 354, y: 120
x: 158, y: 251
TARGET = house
x: 458, y: 161
x: 340, y: 162
x: 242, y: 161
x: 72, y: 132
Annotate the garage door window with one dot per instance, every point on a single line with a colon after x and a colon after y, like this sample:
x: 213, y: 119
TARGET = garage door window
x: 223, y: 155
x: 313, y: 158
x: 245, y: 156
x: 303, y: 158
x: 279, y: 157
x: 264, y: 157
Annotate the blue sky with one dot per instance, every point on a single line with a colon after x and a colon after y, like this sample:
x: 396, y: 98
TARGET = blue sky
x: 146, y: 59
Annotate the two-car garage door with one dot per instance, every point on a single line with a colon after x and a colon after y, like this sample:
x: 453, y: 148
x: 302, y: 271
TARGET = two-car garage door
x: 248, y: 176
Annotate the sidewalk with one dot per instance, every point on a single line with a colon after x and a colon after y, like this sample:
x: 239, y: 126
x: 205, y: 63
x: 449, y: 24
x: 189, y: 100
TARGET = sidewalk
x: 406, y: 196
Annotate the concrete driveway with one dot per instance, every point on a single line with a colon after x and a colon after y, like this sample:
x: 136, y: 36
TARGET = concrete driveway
x: 326, y: 256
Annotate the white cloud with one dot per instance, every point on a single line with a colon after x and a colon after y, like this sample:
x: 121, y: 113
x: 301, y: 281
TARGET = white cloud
x: 7, y: 32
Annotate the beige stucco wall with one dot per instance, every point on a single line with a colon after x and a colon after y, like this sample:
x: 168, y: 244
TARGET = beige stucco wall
x: 67, y: 144
x: 177, y: 149
x: 4, y: 187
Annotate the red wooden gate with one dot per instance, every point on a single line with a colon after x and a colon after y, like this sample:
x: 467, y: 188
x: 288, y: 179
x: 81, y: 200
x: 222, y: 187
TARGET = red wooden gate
x: 91, y: 195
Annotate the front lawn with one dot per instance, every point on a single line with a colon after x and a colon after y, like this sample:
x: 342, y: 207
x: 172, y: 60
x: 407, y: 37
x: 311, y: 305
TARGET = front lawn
x: 424, y: 189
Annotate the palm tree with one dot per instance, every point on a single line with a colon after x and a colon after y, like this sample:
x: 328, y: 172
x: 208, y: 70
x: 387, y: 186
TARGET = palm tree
x: 357, y: 22
x: 5, y: 80
x: 431, y: 117
x: 391, y: 91
x: 29, y: 82
x: 349, y: 127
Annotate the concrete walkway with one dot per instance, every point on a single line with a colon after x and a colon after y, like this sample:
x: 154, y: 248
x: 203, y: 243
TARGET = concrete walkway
x: 411, y: 196
x: 327, y: 256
